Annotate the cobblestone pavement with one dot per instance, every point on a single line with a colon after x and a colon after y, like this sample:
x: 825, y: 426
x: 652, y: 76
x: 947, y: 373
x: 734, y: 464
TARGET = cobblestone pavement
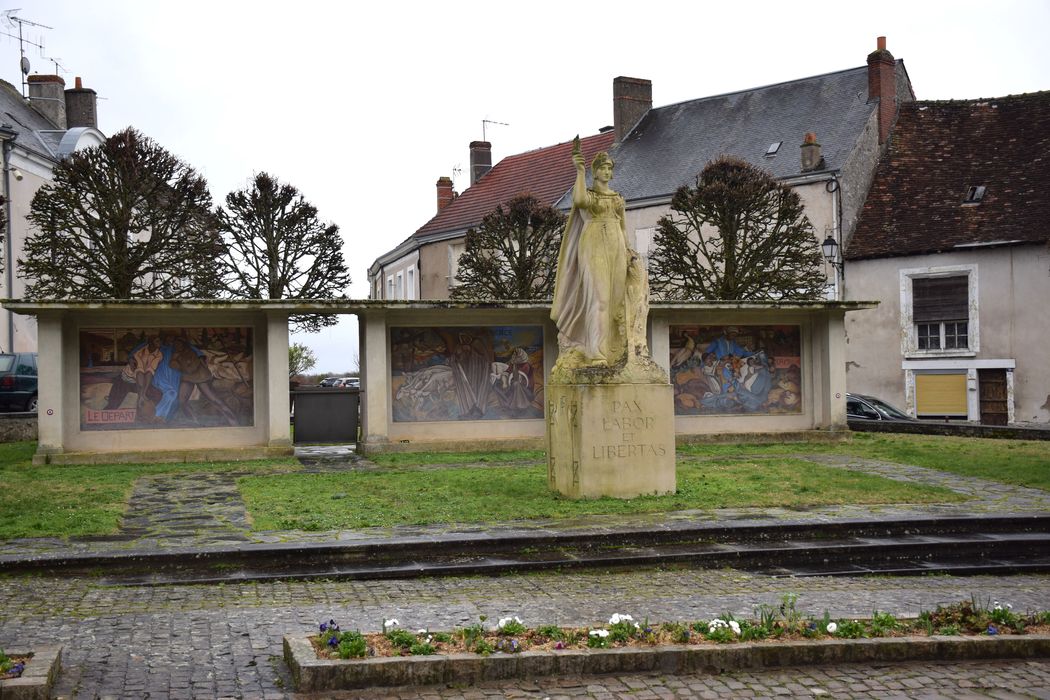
x: 199, y: 511
x: 225, y: 640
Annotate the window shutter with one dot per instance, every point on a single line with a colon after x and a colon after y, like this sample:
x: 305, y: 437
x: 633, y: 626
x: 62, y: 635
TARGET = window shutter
x: 940, y: 299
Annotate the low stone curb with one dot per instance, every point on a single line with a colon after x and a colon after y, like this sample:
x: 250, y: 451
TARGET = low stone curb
x: 37, y: 678
x: 311, y: 674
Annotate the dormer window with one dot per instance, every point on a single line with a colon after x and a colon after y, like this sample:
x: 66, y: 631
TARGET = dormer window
x: 773, y: 148
x: 974, y: 194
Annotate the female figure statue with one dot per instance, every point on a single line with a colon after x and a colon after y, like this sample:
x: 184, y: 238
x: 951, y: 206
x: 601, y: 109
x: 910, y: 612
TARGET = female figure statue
x: 590, y: 289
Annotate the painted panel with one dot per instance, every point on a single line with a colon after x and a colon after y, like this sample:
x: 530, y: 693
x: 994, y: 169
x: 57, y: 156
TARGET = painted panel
x: 466, y: 373
x: 155, y: 378
x: 940, y: 394
x: 753, y: 370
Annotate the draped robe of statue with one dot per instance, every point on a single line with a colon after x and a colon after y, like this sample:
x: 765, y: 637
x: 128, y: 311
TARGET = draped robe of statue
x: 590, y: 292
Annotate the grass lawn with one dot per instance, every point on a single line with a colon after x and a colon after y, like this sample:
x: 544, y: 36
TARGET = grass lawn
x: 413, y: 496
x: 1019, y: 462
x: 59, y: 501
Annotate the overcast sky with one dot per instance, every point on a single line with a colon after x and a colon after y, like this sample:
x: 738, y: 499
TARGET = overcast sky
x: 363, y: 107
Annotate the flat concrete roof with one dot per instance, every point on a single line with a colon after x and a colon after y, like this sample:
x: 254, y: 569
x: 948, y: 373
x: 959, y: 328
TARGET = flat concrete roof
x: 364, y: 306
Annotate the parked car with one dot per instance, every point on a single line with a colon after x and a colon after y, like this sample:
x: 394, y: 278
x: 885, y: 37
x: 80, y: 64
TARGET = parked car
x: 331, y: 382
x: 861, y: 407
x: 18, y: 384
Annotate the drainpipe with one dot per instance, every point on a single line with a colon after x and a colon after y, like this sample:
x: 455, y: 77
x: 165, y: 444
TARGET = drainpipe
x: 7, y: 135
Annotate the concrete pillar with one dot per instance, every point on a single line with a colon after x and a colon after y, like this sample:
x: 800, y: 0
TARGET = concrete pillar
x: 277, y: 399
x: 375, y: 378
x: 834, y: 370
x: 50, y: 386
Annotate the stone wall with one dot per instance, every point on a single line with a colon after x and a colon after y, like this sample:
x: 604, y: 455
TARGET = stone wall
x: 16, y: 427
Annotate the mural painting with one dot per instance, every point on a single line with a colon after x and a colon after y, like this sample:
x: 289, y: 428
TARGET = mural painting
x: 754, y: 370
x: 135, y: 378
x: 467, y: 373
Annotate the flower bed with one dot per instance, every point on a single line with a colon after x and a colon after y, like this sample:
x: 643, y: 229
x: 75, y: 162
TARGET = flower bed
x: 337, y: 659
x: 29, y: 675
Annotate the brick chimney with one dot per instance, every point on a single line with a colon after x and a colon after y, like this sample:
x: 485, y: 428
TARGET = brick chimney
x: 811, y: 156
x: 480, y: 159
x: 445, y: 192
x: 81, y: 106
x: 46, y: 95
x: 882, y: 86
x: 632, y: 98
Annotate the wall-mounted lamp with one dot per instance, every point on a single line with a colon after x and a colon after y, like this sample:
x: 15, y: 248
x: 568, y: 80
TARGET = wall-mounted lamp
x: 17, y: 174
x: 831, y: 253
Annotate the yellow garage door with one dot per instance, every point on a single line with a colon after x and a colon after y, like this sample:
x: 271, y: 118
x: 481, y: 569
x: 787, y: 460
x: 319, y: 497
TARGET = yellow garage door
x: 940, y: 394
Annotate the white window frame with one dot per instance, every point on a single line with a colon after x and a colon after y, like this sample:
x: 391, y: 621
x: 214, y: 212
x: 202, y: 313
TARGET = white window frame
x: 909, y: 332
x: 644, y: 242
x: 399, y: 286
x: 453, y: 261
x: 390, y: 287
x: 410, y: 287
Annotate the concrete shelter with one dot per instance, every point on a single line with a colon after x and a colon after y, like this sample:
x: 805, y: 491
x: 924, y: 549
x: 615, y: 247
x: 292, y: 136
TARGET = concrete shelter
x: 232, y: 401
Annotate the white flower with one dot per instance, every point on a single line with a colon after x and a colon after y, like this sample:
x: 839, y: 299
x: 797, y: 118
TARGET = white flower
x: 504, y: 621
x: 422, y: 631
x: 735, y: 626
x: 832, y: 628
x: 600, y: 633
x: 387, y: 624
x: 620, y: 617
x: 716, y: 624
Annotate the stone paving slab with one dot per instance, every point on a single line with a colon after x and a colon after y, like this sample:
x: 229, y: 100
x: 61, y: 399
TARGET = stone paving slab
x: 225, y: 640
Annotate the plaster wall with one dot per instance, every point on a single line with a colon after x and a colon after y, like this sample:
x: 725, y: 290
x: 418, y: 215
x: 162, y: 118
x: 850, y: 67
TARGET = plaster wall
x: 433, y: 269
x: 1014, y: 322
x: 22, y: 192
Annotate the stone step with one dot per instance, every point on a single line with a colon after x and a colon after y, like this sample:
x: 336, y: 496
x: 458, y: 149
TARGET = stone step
x: 922, y: 545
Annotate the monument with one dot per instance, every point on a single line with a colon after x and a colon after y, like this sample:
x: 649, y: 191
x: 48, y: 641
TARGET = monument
x: 610, y: 408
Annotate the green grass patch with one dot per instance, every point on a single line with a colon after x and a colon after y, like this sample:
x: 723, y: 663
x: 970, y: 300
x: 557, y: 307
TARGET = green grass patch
x: 410, y: 497
x: 416, y: 459
x: 1018, y: 462
x: 63, y: 501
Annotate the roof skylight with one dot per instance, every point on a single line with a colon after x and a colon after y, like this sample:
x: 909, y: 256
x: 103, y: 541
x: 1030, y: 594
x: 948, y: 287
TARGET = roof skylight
x: 974, y: 194
x: 773, y: 148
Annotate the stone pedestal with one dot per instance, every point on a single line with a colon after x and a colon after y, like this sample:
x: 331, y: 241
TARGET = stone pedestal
x: 610, y: 439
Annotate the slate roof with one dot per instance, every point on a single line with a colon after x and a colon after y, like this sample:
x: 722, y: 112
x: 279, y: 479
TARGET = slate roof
x: 546, y: 173
x: 670, y: 145
x: 35, y: 132
x: 937, y: 152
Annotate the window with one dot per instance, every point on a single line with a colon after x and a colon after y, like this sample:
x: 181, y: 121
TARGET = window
x: 643, y: 241
x: 390, y: 287
x: 941, y: 310
x: 410, y: 290
x: 773, y: 148
x: 454, y: 251
x: 399, y: 289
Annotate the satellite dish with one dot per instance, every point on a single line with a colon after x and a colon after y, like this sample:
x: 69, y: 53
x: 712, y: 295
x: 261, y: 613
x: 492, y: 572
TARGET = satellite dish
x: 25, y: 65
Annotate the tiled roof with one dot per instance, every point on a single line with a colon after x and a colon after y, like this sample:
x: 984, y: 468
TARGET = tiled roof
x: 546, y: 173
x: 35, y: 132
x: 670, y: 145
x: 941, y: 149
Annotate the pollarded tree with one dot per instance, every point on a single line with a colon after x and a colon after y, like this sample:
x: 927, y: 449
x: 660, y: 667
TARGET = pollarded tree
x: 277, y: 248
x: 739, y: 234
x: 123, y: 220
x: 513, y: 253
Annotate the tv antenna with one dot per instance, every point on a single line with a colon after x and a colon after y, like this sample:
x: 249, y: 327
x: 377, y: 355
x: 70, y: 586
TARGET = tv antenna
x: 10, y: 19
x: 489, y: 121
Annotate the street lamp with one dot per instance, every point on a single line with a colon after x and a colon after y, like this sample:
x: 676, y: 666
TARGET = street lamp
x: 831, y: 254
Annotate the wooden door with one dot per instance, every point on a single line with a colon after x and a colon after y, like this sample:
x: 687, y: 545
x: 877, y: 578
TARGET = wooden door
x: 991, y: 386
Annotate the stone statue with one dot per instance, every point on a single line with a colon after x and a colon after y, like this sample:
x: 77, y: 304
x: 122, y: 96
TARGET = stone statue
x: 601, y: 292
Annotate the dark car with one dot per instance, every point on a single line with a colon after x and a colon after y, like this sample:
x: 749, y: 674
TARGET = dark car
x: 860, y: 407
x: 18, y: 381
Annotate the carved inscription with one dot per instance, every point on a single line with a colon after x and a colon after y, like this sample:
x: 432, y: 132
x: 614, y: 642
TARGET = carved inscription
x: 626, y: 429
